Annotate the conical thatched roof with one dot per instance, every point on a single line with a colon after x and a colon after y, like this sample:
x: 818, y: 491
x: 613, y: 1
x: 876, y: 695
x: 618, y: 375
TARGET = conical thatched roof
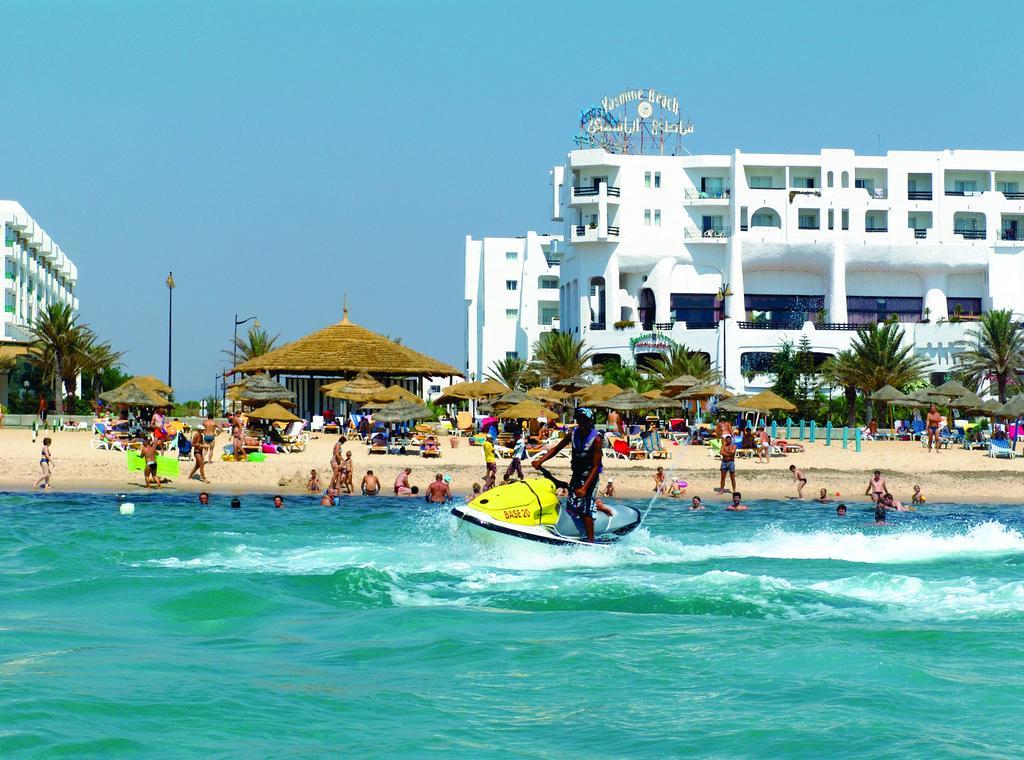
x: 1014, y: 407
x: 988, y: 407
x: 967, y: 401
x: 132, y: 395
x: 359, y: 388
x: 274, y: 413
x: 470, y: 391
x: 402, y: 411
x: 707, y: 391
x: 572, y: 384
x: 345, y: 347
x: 631, y: 401
x: 508, y: 399
x: 529, y: 409
x: 889, y: 394
x: 548, y: 395
x: 681, y: 382
x: 951, y: 388
x: 150, y: 383
x: 395, y: 393
x: 733, y: 404
x: 261, y: 387
x: 594, y: 393
x: 766, y: 401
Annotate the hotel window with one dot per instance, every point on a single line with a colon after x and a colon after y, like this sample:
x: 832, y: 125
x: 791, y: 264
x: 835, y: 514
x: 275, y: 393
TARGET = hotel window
x: 548, y: 314
x: 511, y: 313
x: 831, y: 219
x: 657, y: 179
x: 647, y: 179
x: 547, y: 282
x: 657, y: 217
x: 964, y: 186
x: 511, y: 256
x: 511, y: 284
x: 647, y: 217
x: 1008, y: 187
x: 511, y: 354
x: 761, y: 183
x: 846, y: 219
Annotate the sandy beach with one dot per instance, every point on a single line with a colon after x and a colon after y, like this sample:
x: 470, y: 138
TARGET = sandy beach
x: 950, y: 475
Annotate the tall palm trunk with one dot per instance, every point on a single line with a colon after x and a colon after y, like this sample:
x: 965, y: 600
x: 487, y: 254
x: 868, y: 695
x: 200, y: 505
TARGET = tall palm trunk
x: 58, y: 382
x: 850, y: 391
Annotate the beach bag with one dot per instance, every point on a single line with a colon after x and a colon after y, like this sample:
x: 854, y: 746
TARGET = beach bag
x: 269, y: 448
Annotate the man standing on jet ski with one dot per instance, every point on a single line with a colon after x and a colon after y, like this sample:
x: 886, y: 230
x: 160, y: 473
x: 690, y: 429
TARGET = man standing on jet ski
x: 586, y: 466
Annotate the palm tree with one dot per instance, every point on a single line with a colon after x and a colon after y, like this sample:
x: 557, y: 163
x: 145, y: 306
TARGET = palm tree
x: 254, y: 343
x: 627, y: 375
x: 995, y: 351
x: 57, y: 337
x: 883, y: 359
x: 559, y: 356
x: 513, y: 372
x: 98, y: 357
x: 680, y: 360
x: 844, y: 371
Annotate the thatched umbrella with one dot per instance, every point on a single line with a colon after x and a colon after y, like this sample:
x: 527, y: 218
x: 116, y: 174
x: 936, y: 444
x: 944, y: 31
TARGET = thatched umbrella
x: 572, y: 384
x: 273, y: 412
x: 548, y: 395
x: 733, y: 404
x: 1013, y: 408
x: 631, y: 401
x: 988, y: 407
x: 130, y: 394
x: 529, y: 409
x: 704, y: 392
x: 680, y: 383
x: 952, y: 389
x: 509, y: 399
x: 150, y: 383
x: 394, y: 393
x: 766, y: 401
x: 358, y: 389
x: 402, y: 411
x: 594, y: 393
x: 262, y: 388
x: 967, y: 401
x: 889, y: 395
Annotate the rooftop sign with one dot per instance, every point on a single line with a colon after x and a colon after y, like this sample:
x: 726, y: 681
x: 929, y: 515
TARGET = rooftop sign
x: 633, y: 121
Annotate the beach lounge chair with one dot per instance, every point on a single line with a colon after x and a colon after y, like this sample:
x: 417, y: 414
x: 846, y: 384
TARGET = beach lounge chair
x: 464, y: 423
x: 626, y: 451
x: 104, y: 439
x: 786, y: 447
x: 317, y: 425
x: 714, y: 446
x: 1000, y: 449
x: 430, y: 448
x: 292, y: 437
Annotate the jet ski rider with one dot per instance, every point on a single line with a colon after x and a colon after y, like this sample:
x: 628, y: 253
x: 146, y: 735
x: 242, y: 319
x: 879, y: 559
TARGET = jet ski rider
x: 586, y: 466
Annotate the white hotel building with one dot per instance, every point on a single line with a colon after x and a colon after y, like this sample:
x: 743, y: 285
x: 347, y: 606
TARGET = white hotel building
x: 809, y: 245
x: 36, y: 273
x: 512, y: 293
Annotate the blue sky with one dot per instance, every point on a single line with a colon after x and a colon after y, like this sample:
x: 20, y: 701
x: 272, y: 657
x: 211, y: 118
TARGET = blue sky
x: 277, y: 155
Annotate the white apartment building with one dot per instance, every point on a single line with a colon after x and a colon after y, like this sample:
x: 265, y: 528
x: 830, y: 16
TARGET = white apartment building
x: 512, y: 294
x: 809, y: 245
x: 36, y: 273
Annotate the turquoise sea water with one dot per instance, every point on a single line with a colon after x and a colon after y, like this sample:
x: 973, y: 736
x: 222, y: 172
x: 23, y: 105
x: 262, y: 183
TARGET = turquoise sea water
x: 378, y: 629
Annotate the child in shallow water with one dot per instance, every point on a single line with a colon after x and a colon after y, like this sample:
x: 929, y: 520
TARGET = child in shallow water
x: 313, y: 486
x: 918, y: 497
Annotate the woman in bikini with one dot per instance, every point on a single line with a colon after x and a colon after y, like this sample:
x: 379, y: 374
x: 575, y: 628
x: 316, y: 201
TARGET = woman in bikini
x: 45, y: 464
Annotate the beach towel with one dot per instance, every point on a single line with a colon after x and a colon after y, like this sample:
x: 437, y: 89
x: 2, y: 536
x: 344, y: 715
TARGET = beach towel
x: 166, y: 467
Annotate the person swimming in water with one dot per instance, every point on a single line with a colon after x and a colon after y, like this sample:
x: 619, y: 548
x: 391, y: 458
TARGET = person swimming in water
x: 585, y: 458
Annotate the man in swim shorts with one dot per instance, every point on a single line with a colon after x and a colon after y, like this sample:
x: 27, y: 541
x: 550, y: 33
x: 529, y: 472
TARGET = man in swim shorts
x: 439, y: 492
x: 933, y: 421
x: 728, y: 467
x: 370, y: 485
x: 877, y: 487
x: 149, y: 455
x: 402, y: 487
x: 209, y: 435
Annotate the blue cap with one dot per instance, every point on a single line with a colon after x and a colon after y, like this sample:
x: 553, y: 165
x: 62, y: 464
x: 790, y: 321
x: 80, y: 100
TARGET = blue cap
x: 584, y: 413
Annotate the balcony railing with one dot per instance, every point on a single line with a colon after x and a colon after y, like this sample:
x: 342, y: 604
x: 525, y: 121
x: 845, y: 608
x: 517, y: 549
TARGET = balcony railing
x: 836, y: 326
x: 1013, y: 195
x: 701, y: 325
x: 963, y: 193
x: 771, y: 324
x: 970, y: 234
x: 876, y: 229
x: 920, y: 234
x: 597, y: 325
x: 919, y: 195
x: 712, y: 233
x: 876, y: 193
x: 711, y: 195
x: 585, y: 192
x: 613, y: 231
x: 663, y: 325
x: 809, y: 225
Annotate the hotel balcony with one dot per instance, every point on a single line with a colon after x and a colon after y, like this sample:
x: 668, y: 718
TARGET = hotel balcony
x: 919, y: 195
x: 970, y: 234
x: 707, y: 197
x: 585, y: 194
x: 710, y: 235
x: 10, y: 284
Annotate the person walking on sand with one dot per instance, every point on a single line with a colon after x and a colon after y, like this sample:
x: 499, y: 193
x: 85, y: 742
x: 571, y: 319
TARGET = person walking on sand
x: 148, y: 453
x: 519, y: 456
x: 45, y: 465
x: 197, y: 452
x: 933, y: 421
x: 764, y: 445
x: 800, y: 479
x: 877, y: 487
x: 210, y: 431
x: 347, y: 469
x: 490, y: 462
x: 336, y: 460
x: 728, y: 466
x: 43, y: 407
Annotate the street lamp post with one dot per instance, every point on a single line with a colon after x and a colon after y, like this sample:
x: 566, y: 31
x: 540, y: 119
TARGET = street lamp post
x: 170, y: 312
x: 234, y: 348
x: 724, y: 292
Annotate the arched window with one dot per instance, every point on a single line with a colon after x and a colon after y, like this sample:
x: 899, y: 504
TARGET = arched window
x: 846, y: 179
x: 765, y: 217
x: 830, y: 178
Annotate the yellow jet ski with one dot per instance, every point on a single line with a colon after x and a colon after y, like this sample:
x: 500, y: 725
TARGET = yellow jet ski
x: 530, y: 509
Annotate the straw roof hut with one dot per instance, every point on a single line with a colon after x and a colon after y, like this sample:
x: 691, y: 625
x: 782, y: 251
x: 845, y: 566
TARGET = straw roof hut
x: 402, y: 411
x: 766, y: 401
x: 345, y: 348
x: 261, y: 387
x: 631, y: 401
x: 529, y: 409
x: 273, y: 412
x: 132, y: 395
x: 150, y: 383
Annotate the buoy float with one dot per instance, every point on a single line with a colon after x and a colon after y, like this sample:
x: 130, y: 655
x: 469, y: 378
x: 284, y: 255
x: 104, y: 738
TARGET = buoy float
x: 127, y: 508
